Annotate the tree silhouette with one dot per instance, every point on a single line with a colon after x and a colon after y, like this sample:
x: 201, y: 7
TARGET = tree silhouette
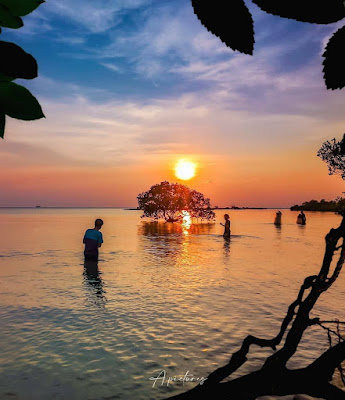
x: 169, y: 201
x: 333, y: 154
x: 336, y: 205
x: 15, y: 100
x: 232, y: 22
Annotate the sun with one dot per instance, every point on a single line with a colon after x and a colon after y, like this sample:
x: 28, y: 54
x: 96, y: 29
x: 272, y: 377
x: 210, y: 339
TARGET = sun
x: 185, y: 170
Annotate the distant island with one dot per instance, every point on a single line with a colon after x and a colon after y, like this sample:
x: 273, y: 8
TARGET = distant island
x: 323, y: 205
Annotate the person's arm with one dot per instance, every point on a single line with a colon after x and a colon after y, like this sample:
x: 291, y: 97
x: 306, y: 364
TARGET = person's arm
x: 100, y: 239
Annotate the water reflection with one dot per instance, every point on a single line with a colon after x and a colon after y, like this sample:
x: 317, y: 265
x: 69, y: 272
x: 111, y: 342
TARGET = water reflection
x: 93, y: 283
x: 167, y: 229
x: 186, y: 222
x: 302, y: 228
x: 163, y: 239
x: 278, y: 229
x: 226, y: 247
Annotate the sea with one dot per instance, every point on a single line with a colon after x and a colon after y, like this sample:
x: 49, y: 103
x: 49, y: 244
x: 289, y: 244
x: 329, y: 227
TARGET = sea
x: 165, y: 306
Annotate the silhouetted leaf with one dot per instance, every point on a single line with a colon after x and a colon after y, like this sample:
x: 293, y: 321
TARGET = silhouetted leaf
x: 314, y: 11
x: 334, y: 63
x: 231, y: 21
x: 8, y: 20
x: 17, y: 102
x: 20, y: 8
x: 2, y: 124
x: 5, y: 78
x: 16, y: 63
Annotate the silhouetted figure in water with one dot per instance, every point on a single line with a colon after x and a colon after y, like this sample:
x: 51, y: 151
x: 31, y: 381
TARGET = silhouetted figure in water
x: 227, y: 232
x: 301, y: 219
x: 278, y: 218
x: 93, y: 239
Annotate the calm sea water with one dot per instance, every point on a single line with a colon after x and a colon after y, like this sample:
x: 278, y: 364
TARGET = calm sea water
x: 166, y: 297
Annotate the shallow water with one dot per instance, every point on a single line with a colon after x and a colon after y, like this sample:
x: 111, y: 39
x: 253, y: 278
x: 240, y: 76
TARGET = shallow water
x: 166, y: 297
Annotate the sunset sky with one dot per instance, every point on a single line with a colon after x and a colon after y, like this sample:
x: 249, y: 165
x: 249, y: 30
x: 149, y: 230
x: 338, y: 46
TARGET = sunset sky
x: 131, y: 86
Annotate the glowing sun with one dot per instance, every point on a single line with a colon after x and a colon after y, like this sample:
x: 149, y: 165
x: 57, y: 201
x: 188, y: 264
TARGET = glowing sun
x: 185, y: 169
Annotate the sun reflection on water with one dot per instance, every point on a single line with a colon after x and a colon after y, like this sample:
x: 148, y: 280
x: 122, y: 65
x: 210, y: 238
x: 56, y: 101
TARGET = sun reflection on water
x: 186, y: 222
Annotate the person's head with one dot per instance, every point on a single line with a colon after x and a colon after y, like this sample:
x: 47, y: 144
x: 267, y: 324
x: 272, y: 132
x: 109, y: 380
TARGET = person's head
x: 226, y: 217
x: 302, y: 212
x: 98, y: 223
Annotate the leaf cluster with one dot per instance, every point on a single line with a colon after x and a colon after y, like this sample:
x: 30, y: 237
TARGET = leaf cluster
x: 15, y: 100
x: 332, y: 153
x: 233, y: 23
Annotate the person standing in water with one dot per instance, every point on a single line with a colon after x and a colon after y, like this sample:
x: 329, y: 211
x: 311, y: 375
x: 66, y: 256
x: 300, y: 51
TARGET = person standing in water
x: 278, y: 219
x: 93, y: 240
x: 227, y: 231
x: 304, y: 218
x: 301, y: 219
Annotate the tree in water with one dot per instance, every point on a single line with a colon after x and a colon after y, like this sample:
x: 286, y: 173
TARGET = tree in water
x: 169, y: 200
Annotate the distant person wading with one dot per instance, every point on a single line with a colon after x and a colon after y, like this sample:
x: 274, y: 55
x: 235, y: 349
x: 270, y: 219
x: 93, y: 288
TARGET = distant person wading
x: 278, y: 218
x: 93, y: 240
x: 301, y: 219
x: 227, y: 232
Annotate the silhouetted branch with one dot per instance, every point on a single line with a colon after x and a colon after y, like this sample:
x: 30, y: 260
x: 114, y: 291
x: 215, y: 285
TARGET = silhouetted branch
x: 328, y: 361
x: 340, y: 339
x: 329, y: 331
x: 333, y: 393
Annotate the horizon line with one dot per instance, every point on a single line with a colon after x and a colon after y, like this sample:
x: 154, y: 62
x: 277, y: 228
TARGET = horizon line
x: 135, y: 209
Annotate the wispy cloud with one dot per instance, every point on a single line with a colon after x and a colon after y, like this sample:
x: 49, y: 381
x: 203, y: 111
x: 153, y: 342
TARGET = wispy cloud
x: 94, y: 16
x: 126, y: 131
x: 111, y: 67
x: 167, y: 36
x: 70, y: 40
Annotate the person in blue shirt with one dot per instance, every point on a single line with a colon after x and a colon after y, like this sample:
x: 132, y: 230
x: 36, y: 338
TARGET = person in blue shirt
x: 93, y: 240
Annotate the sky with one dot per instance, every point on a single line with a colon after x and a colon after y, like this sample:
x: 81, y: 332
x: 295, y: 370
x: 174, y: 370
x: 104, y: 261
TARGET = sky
x: 129, y: 87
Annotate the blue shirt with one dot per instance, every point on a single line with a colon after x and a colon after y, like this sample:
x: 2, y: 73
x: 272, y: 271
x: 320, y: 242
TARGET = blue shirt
x: 92, y: 239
